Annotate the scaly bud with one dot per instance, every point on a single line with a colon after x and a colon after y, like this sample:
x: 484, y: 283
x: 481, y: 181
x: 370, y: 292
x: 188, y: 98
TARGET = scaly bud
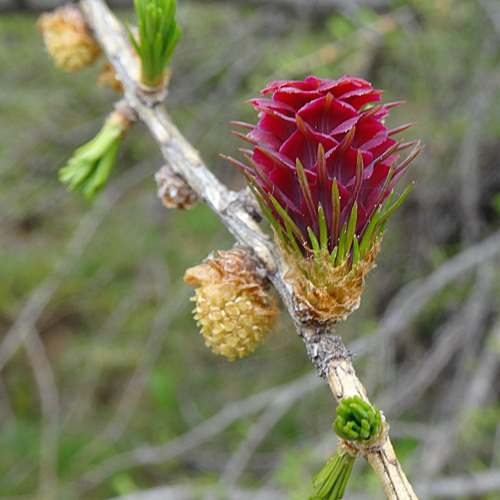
x: 233, y: 309
x: 173, y: 190
x: 68, y: 38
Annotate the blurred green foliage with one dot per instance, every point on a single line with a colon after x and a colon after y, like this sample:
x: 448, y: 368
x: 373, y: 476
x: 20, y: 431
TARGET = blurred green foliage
x: 121, y: 311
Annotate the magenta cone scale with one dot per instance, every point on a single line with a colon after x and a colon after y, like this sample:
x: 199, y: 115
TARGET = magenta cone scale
x: 323, y: 163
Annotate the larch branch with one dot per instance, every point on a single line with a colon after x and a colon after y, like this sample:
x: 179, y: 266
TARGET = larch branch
x: 324, y: 347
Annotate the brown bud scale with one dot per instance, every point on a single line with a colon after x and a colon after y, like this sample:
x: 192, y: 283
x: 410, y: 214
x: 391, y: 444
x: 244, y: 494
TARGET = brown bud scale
x: 174, y: 191
x: 334, y: 292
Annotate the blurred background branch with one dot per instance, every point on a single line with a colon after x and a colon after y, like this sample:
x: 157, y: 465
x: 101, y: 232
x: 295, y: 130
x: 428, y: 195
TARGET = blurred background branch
x: 97, y: 403
x: 297, y: 5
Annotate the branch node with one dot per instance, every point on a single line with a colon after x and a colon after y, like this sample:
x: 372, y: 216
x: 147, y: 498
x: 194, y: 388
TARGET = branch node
x: 153, y: 95
x: 125, y: 112
x: 323, y: 348
x: 377, y: 444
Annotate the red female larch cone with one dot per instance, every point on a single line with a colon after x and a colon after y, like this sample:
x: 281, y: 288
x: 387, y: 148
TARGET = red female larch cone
x: 323, y: 166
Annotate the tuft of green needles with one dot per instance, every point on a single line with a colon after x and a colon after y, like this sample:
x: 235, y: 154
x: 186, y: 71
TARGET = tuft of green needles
x: 88, y: 169
x: 331, y: 482
x: 158, y: 37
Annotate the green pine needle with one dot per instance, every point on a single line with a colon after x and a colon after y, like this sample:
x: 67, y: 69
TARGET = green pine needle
x: 317, y: 253
x: 341, y: 246
x: 323, y: 230
x: 355, y: 252
x: 292, y: 240
x: 391, y: 209
x: 288, y: 222
x: 351, y: 229
x: 333, y: 256
x: 335, y: 209
x: 314, y: 241
x: 268, y: 213
x: 367, y: 237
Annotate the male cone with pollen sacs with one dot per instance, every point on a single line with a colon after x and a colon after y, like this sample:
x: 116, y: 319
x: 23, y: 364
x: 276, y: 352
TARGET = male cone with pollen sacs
x: 233, y: 309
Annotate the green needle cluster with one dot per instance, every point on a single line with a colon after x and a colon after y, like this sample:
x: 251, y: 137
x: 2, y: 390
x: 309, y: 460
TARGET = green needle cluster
x: 348, y: 243
x: 158, y: 36
x: 331, y: 482
x: 357, y: 420
x: 88, y: 169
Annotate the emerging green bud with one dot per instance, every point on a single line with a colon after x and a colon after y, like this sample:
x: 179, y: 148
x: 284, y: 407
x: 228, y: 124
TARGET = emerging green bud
x: 357, y: 420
